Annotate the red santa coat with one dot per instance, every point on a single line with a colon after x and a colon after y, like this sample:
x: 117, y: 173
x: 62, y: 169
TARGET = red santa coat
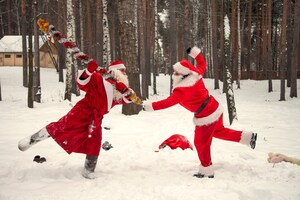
x: 80, y: 129
x: 191, y: 93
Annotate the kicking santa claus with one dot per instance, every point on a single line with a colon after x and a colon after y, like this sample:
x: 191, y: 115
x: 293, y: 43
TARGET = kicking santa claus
x: 190, y: 92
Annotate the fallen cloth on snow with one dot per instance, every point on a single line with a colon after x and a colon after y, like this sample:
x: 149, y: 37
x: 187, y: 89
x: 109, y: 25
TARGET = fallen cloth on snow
x: 277, y: 157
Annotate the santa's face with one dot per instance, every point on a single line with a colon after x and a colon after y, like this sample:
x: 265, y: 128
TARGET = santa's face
x: 123, y: 71
x: 120, y: 76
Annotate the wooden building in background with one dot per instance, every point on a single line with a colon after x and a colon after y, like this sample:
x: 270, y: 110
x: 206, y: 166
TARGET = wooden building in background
x: 11, y: 51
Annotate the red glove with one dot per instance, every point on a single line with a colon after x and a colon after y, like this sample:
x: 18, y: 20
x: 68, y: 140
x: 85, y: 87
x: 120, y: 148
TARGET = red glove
x: 91, y: 67
x: 121, y: 87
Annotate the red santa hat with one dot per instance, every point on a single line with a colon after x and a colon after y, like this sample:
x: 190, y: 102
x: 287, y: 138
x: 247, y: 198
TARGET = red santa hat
x: 184, y: 67
x: 176, y: 141
x: 116, y: 65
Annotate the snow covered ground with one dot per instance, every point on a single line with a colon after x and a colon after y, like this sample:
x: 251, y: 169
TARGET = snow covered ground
x: 132, y: 169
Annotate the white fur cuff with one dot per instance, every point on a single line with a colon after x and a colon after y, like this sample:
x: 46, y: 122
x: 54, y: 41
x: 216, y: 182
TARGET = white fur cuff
x: 194, y: 52
x: 82, y: 82
x: 148, y: 106
x: 88, y: 72
x: 246, y: 137
x: 207, y: 171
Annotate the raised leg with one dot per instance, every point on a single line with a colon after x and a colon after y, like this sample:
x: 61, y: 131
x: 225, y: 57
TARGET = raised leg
x: 29, y: 141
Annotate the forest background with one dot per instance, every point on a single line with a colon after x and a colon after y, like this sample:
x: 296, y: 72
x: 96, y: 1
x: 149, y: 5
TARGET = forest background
x: 250, y: 39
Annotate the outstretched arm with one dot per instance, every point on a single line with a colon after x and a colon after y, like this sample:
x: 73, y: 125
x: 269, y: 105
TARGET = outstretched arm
x: 172, y: 100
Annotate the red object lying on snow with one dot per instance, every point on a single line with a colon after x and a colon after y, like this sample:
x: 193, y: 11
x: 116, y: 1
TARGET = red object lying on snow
x: 176, y: 141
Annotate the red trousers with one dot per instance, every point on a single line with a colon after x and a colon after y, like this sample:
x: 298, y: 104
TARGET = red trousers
x: 203, y: 138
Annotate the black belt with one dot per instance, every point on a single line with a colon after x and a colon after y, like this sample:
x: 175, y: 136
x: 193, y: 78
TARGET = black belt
x: 202, y: 105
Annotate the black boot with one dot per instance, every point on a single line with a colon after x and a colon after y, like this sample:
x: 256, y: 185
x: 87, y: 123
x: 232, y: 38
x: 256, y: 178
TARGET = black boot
x: 89, y: 167
x: 199, y: 175
x: 253, y: 140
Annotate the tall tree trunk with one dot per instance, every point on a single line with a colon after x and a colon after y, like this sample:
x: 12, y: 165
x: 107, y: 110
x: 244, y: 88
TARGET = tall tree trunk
x: 173, y: 39
x: 180, y: 31
x: 99, y: 32
x: 61, y: 49
x: 24, y: 43
x: 230, y: 97
x: 249, y: 46
x: 141, y: 27
x: 88, y: 32
x: 196, y: 13
x: 269, y: 47
x: 264, y: 39
x: 296, y: 49
x: 186, y: 34
x: 36, y: 77
x: 283, y: 51
x: 233, y: 39
x: 209, y: 42
x: 30, y: 58
x: 69, y: 58
x: 145, y: 36
x: 114, y: 29
x: 150, y: 17
x: 106, y: 36
x: 222, y: 41
x: 214, y: 44
x: 129, y: 50
x: 258, y: 39
x: 156, y: 61
x: 239, y: 48
x: 77, y: 18
x: 289, y: 34
x: 75, y: 89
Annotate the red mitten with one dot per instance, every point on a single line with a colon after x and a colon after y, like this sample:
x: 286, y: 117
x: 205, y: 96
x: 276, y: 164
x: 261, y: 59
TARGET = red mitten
x: 121, y: 87
x: 91, y: 67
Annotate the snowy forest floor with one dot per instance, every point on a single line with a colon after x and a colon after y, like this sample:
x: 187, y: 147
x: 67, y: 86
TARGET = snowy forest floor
x: 132, y: 169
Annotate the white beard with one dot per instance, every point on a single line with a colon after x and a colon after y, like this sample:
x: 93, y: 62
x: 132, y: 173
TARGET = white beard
x: 176, y: 80
x: 120, y: 77
x: 190, y: 80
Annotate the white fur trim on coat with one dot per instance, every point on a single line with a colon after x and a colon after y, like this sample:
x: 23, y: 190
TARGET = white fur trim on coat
x: 82, y: 82
x: 207, y: 171
x: 148, y: 106
x: 194, y: 52
x: 209, y: 119
x: 88, y: 72
x: 109, y: 89
x: 126, y: 100
x: 246, y: 137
